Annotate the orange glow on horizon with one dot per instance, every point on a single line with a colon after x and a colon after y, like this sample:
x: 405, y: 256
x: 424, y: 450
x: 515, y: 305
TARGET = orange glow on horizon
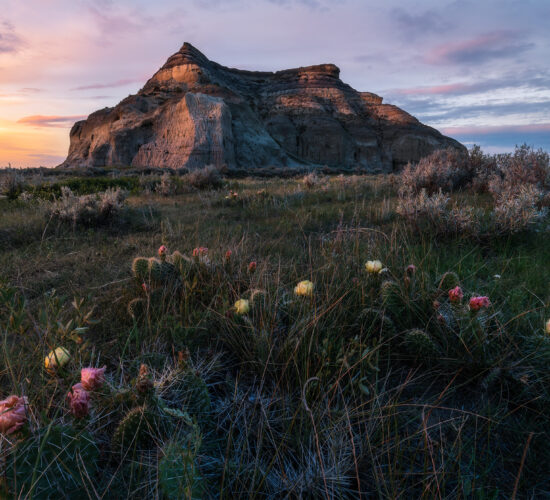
x: 27, y: 146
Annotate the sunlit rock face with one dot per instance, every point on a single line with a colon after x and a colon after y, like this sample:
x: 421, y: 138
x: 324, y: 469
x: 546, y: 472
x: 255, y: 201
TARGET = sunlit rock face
x: 194, y: 112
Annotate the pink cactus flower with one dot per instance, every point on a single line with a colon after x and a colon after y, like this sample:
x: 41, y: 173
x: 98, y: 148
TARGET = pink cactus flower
x: 13, y: 414
x: 456, y: 294
x: 163, y: 252
x: 79, y: 400
x: 92, y: 378
x: 477, y: 303
x: 411, y: 269
x: 252, y: 266
x: 228, y: 255
x: 200, y: 251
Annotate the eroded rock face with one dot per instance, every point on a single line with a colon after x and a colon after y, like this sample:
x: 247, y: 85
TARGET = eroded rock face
x: 194, y: 112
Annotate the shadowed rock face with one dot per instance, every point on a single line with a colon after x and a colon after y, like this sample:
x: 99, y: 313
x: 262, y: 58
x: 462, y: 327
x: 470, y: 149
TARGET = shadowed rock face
x: 194, y: 112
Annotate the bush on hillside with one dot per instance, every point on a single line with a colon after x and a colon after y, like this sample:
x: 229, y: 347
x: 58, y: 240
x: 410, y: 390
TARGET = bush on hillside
x: 89, y: 209
x: 208, y: 177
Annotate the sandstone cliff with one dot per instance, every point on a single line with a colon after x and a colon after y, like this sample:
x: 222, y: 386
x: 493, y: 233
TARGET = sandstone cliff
x: 194, y: 112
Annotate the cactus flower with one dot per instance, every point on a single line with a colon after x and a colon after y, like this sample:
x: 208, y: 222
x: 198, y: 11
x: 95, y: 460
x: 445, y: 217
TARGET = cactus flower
x: 57, y: 358
x: 92, y: 378
x: 373, y: 266
x: 200, y: 251
x: 144, y: 381
x: 228, y: 255
x: 242, y: 306
x: 304, y: 288
x: 79, y: 401
x: 13, y: 414
x: 548, y: 327
x: 456, y: 294
x: 252, y: 266
x: 477, y: 303
x: 162, y: 252
x: 411, y: 269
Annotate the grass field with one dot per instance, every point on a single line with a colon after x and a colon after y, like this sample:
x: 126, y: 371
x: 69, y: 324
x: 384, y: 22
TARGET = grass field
x: 375, y: 385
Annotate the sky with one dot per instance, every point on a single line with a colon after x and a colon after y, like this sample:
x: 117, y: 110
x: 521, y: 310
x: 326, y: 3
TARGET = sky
x: 476, y: 70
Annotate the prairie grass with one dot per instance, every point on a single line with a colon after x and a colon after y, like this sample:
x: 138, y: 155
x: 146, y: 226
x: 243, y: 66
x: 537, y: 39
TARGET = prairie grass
x: 376, y: 386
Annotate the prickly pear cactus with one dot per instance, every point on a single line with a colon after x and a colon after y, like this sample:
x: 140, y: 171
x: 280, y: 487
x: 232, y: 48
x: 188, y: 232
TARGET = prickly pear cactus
x: 419, y: 344
x: 133, y: 429
x: 53, y: 463
x: 136, y: 308
x: 168, y: 272
x: 448, y: 280
x: 180, y: 262
x: 391, y: 295
x: 178, y: 475
x: 155, y: 270
x: 198, y: 399
x: 374, y: 321
x: 140, y: 268
x: 186, y: 389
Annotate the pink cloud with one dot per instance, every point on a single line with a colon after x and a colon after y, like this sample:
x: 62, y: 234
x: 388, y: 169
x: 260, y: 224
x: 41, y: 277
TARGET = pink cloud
x: 437, y: 89
x: 484, y: 130
x: 498, y: 44
x: 118, y: 83
x: 50, y: 121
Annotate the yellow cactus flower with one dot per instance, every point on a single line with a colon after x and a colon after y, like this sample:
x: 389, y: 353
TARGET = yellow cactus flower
x: 373, y: 266
x: 304, y: 288
x: 242, y: 306
x: 56, y: 359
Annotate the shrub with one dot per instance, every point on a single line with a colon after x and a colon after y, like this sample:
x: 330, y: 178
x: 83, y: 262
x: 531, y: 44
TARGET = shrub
x: 87, y: 210
x: 444, y: 170
x: 524, y: 166
x: 422, y: 205
x: 11, y: 184
x: 516, y: 208
x: 484, y: 168
x: 166, y: 186
x: 208, y: 177
x: 433, y: 212
x: 312, y: 180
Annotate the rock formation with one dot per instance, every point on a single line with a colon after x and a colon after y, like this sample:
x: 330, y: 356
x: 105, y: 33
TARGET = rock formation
x: 194, y: 112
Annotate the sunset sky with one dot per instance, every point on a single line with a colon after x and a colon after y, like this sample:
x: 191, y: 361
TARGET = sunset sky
x: 476, y: 70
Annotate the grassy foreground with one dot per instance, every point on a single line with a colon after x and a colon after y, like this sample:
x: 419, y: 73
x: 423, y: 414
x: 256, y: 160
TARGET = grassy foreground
x: 377, y: 385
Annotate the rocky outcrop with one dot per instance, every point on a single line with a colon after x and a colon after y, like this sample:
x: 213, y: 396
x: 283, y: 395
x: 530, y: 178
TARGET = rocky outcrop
x: 195, y: 112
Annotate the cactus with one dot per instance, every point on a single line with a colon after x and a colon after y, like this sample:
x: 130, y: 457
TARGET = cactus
x: 55, y: 459
x: 420, y: 344
x: 140, y: 268
x: 178, y: 476
x: 374, y: 321
x: 144, y: 381
x: 180, y: 262
x: 391, y: 296
x: 133, y: 429
x: 168, y: 272
x: 448, y: 280
x: 136, y: 308
x: 198, y: 399
x: 185, y: 388
x: 155, y: 269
